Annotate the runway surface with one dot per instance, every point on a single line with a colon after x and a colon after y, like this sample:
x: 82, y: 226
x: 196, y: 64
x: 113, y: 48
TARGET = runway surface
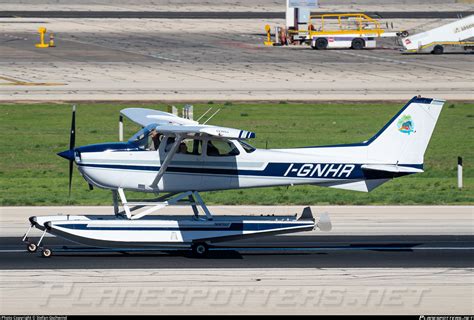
x: 219, y: 15
x: 267, y: 252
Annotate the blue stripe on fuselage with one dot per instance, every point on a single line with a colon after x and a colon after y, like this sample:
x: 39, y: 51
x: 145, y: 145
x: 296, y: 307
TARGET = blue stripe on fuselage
x: 289, y: 170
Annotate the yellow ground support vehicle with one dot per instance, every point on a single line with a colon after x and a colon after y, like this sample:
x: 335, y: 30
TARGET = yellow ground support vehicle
x: 341, y: 30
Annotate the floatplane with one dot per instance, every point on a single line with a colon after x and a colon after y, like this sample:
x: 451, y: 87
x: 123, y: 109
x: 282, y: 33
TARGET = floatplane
x: 177, y: 158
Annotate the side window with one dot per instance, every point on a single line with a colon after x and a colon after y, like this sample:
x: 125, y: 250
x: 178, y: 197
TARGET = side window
x: 187, y: 146
x: 247, y: 147
x: 169, y: 144
x: 190, y: 146
x: 221, y: 148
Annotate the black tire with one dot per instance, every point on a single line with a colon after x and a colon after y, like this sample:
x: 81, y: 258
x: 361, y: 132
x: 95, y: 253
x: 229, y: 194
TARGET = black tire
x: 358, y: 44
x: 31, y: 247
x: 320, y: 44
x: 438, y: 49
x: 405, y: 34
x: 46, y: 253
x: 200, y: 249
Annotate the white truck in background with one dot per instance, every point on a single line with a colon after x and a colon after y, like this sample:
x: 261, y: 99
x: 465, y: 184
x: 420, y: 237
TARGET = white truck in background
x: 449, y: 37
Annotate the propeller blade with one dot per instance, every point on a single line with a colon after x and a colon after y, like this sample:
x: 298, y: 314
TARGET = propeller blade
x: 72, y: 137
x: 71, y: 167
x: 72, y: 143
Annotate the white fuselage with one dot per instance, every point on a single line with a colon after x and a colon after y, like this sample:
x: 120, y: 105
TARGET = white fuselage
x: 136, y: 170
x: 215, y: 163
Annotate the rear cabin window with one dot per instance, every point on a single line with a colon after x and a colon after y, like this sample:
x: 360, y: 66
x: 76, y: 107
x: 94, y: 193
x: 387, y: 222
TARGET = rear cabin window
x: 247, y: 147
x: 221, y: 148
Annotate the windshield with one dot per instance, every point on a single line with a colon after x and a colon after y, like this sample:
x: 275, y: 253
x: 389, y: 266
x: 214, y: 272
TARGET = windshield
x: 141, y: 138
x: 247, y: 147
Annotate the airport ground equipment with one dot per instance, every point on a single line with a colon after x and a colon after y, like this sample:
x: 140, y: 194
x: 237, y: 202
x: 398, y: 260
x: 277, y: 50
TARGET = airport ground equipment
x: 50, y: 44
x: 452, y: 37
x: 176, y: 158
x: 344, y: 30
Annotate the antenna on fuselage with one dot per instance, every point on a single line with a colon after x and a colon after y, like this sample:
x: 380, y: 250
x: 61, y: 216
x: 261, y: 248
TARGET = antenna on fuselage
x: 203, y: 114
x: 211, y: 116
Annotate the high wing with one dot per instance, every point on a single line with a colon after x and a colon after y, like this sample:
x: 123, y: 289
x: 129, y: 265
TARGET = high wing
x: 170, y: 123
x: 145, y: 117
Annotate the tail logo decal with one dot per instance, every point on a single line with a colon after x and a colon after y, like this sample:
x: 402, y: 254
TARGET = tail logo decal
x: 406, y: 125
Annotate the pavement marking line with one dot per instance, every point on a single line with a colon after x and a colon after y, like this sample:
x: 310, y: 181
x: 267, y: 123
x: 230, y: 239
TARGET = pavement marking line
x: 372, y: 57
x: 14, y: 37
x: 15, y: 82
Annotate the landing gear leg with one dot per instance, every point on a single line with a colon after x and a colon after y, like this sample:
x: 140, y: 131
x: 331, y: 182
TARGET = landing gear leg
x: 45, y: 252
x: 41, y: 239
x: 193, y: 206
x: 25, y: 237
x: 203, y: 205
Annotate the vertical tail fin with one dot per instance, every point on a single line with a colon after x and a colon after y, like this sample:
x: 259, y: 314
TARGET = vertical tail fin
x: 404, y: 139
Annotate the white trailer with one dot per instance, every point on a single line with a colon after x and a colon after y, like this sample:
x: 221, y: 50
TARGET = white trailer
x: 452, y: 36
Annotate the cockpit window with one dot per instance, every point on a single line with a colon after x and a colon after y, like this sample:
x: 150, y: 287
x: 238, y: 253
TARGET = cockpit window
x: 143, y: 137
x: 221, y: 148
x: 154, y: 140
x: 247, y: 147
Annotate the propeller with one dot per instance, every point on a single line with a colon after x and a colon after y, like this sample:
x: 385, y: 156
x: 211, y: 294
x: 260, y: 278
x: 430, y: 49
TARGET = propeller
x: 72, y: 142
x: 69, y: 154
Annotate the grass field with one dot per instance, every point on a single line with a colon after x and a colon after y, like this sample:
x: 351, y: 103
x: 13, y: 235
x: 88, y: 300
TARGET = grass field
x: 32, y: 134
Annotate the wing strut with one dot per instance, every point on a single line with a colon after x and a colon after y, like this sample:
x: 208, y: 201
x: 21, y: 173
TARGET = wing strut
x: 194, y: 200
x: 167, y: 160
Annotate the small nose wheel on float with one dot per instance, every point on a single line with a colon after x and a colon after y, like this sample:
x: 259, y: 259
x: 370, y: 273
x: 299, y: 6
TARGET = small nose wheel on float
x: 31, y: 247
x: 46, y: 253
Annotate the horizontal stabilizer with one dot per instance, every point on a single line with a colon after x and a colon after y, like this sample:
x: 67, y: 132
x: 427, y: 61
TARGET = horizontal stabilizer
x: 362, y: 185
